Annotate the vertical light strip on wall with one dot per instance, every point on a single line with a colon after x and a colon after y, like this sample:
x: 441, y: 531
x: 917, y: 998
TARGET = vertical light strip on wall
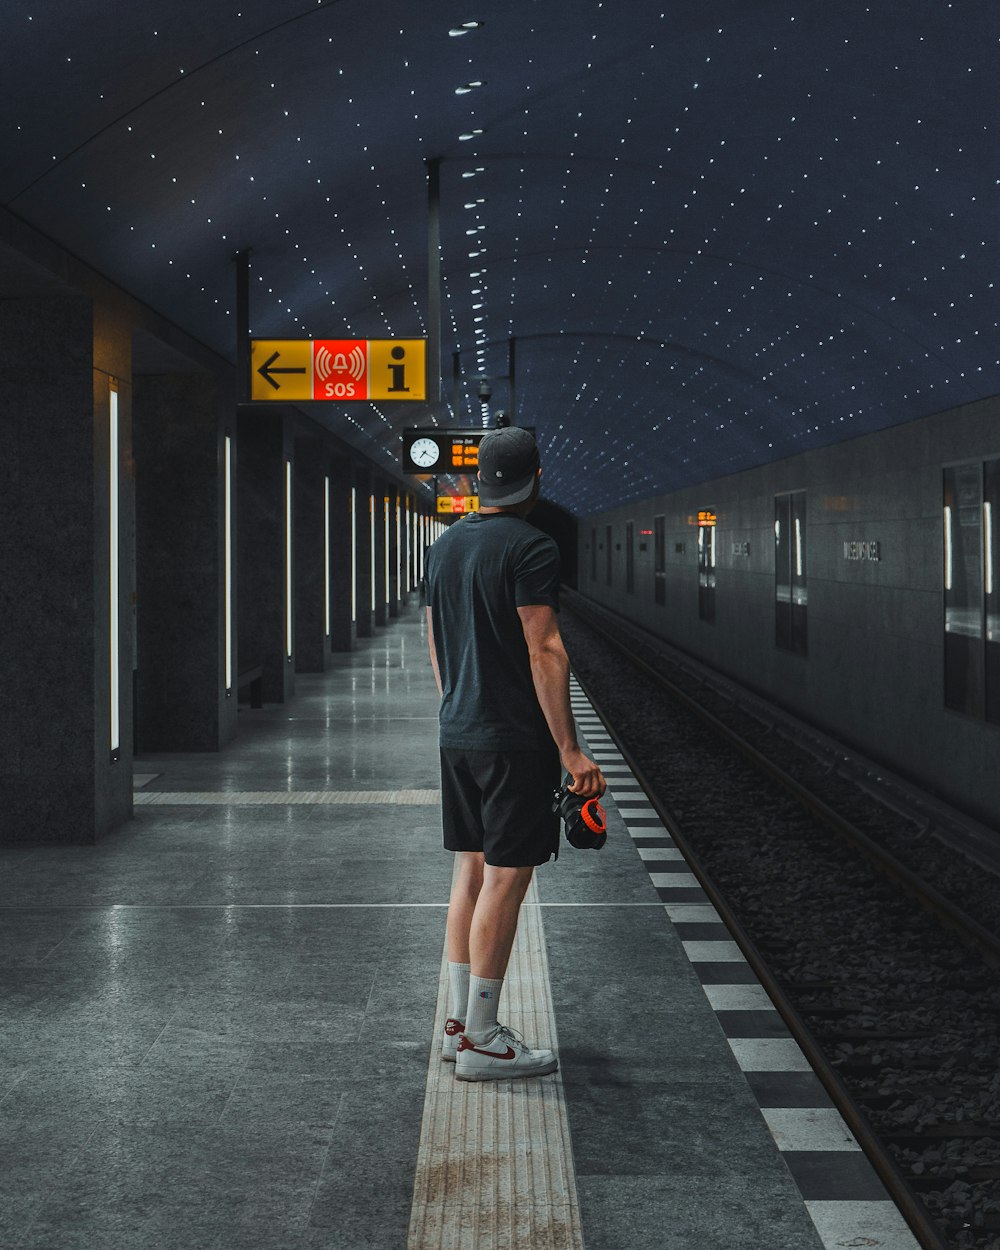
x: 798, y: 547
x: 228, y: 557
x: 409, y: 547
x: 988, y: 544
x: 371, y: 579
x: 113, y: 452
x: 385, y: 518
x: 400, y: 549
x: 947, y: 549
x: 326, y: 554
x: 288, y: 557
x: 354, y: 554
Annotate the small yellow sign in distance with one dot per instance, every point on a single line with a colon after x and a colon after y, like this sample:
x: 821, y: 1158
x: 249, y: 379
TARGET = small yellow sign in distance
x: 458, y: 503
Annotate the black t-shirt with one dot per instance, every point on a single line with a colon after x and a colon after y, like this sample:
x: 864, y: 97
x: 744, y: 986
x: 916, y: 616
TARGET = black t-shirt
x: 477, y: 574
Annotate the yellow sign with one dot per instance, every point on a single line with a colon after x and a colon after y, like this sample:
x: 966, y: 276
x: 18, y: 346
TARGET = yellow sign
x: 338, y: 370
x: 458, y: 503
x: 396, y: 369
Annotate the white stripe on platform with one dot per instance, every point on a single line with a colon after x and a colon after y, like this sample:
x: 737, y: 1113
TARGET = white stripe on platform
x: 862, y: 1224
x: 692, y: 913
x: 675, y: 880
x: 283, y: 798
x: 714, y: 952
x: 769, y: 1054
x: 738, y: 998
x: 659, y: 852
x: 495, y: 1164
x: 809, y: 1128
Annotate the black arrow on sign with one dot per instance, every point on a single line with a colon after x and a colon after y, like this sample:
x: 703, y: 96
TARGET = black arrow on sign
x: 265, y: 370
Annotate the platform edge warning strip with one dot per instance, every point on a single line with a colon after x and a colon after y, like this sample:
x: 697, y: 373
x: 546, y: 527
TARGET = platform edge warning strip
x: 495, y: 1164
x: 845, y: 1199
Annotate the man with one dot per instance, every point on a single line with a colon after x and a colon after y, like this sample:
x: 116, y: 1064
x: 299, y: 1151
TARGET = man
x: 506, y: 729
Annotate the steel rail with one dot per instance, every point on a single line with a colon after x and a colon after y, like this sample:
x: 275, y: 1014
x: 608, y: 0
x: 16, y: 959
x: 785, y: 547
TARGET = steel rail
x: 910, y: 1205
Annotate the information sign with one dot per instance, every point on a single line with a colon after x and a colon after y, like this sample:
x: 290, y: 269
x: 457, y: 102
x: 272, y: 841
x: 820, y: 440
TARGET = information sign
x: 337, y: 370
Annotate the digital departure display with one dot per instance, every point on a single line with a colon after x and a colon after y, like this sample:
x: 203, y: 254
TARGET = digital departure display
x: 441, y: 451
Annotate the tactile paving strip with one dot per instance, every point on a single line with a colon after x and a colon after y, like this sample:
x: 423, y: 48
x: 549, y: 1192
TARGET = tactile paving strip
x: 842, y: 1193
x: 495, y: 1164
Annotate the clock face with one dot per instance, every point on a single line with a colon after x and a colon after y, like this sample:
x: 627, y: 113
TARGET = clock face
x: 425, y: 452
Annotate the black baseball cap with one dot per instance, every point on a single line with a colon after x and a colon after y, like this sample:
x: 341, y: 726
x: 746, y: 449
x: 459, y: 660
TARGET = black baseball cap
x: 508, y: 466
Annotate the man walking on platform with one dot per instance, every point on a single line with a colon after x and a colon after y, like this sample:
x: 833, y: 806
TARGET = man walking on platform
x: 506, y: 730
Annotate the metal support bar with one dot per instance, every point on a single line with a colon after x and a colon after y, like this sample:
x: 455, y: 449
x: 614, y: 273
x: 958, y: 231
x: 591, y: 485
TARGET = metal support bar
x: 512, y: 379
x: 433, y: 281
x: 242, y: 260
x: 456, y: 385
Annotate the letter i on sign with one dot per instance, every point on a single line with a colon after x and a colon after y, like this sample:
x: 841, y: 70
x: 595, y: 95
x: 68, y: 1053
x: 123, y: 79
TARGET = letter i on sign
x: 397, y: 369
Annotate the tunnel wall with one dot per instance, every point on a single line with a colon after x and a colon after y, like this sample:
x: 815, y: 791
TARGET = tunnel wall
x: 873, y: 672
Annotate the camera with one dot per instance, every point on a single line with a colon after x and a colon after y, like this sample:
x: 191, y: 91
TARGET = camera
x: 585, y: 819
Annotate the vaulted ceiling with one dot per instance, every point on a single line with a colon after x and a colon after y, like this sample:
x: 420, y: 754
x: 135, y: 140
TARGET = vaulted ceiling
x: 718, y: 231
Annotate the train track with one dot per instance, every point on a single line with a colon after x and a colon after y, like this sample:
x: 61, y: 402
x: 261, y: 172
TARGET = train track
x: 886, y: 1025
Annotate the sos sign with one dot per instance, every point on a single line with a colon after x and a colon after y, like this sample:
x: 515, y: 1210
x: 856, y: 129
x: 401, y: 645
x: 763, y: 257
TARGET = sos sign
x: 337, y: 370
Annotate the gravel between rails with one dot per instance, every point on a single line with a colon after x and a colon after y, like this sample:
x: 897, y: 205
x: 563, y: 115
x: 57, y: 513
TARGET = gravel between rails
x: 908, y: 1015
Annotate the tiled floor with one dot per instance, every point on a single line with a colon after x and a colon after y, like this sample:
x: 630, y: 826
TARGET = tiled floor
x: 217, y: 1022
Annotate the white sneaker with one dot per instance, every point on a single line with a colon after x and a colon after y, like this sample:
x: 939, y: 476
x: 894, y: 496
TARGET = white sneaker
x: 500, y: 1058
x: 452, y: 1032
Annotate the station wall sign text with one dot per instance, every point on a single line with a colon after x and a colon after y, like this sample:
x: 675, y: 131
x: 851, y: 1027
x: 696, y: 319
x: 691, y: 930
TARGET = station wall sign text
x: 868, y: 550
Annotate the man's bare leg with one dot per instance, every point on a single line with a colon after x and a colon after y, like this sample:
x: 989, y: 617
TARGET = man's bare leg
x: 464, y: 894
x: 467, y: 883
x: 494, y: 921
x: 487, y: 1050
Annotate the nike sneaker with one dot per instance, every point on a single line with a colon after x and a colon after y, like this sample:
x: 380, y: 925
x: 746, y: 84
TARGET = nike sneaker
x: 452, y: 1032
x: 502, y: 1056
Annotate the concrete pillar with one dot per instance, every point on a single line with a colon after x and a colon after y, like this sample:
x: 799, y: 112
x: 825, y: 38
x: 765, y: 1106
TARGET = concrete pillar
x: 312, y: 482
x: 396, y: 590
x: 61, y: 781
x: 382, y: 502
x: 265, y: 448
x: 364, y: 487
x: 342, y: 553
x: 181, y: 423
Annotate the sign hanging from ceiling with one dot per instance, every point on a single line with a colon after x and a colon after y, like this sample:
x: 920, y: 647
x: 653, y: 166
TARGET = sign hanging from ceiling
x: 456, y: 505
x: 441, y: 451
x: 338, y: 370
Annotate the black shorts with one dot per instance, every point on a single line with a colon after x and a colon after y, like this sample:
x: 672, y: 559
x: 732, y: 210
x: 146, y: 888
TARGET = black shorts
x: 500, y: 803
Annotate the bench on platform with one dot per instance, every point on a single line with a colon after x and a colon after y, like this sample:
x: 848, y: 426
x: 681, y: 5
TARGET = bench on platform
x: 252, y: 675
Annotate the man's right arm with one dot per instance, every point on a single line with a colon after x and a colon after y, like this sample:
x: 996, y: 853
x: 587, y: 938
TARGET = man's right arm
x: 433, y: 650
x: 550, y: 675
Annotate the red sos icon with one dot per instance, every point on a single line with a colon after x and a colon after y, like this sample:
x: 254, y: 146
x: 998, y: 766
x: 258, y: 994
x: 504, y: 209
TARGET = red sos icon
x: 340, y: 369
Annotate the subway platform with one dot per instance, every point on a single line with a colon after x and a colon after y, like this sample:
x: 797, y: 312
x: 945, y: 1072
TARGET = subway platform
x: 221, y: 1024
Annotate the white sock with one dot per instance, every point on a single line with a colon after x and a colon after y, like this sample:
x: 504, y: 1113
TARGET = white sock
x: 458, y: 976
x: 484, y: 995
